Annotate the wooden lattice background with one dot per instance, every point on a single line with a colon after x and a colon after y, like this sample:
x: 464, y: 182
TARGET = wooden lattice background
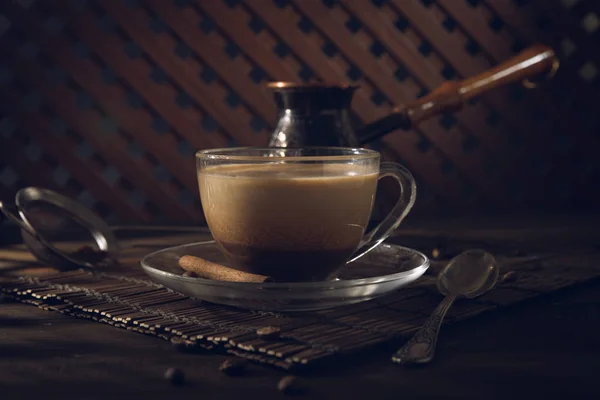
x: 106, y: 101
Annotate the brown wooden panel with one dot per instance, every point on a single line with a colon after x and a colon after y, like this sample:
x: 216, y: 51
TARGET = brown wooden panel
x: 137, y: 86
x: 476, y: 22
x: 92, y: 126
x: 404, y: 143
x: 137, y: 73
x: 381, y: 23
x: 306, y: 47
x: 36, y: 172
x: 452, y: 49
x: 448, y: 141
x: 233, y: 71
x: 56, y: 146
x: 235, y: 24
x: 477, y: 25
x: 498, y: 42
x: 183, y: 71
x: 113, y: 99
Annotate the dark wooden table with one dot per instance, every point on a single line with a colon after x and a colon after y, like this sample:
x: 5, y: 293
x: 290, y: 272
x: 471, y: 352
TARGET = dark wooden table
x: 548, y: 347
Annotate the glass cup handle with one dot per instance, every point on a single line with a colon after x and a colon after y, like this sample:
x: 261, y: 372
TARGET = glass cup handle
x: 408, y: 194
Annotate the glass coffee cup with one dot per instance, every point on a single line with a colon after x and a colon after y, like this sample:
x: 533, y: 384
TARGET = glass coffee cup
x: 297, y: 214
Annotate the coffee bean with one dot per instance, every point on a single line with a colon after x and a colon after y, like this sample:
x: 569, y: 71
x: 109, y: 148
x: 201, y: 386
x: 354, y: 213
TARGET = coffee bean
x: 190, y: 274
x: 288, y: 384
x: 233, y: 367
x: 176, y: 340
x: 175, y: 376
x: 510, y: 277
x: 178, y: 343
x: 269, y: 332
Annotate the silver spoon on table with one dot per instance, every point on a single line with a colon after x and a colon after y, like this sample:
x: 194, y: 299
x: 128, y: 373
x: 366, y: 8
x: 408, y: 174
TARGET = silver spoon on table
x: 469, y: 274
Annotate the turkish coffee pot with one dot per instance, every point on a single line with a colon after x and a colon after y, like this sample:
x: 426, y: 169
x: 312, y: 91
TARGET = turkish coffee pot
x: 315, y: 114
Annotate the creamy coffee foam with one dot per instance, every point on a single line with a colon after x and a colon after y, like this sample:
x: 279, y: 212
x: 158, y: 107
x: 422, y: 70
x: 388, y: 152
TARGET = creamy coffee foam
x: 283, y: 217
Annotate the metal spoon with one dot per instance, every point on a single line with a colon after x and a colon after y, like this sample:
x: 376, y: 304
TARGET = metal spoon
x: 469, y: 274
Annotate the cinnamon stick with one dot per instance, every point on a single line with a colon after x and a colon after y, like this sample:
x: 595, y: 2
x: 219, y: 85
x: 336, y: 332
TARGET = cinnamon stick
x: 207, y: 269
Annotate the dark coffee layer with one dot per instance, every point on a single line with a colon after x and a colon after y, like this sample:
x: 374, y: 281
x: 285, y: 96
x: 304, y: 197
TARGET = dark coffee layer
x: 286, y: 266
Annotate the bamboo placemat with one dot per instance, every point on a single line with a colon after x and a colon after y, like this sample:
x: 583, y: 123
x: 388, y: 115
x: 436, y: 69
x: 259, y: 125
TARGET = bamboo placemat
x: 123, y: 297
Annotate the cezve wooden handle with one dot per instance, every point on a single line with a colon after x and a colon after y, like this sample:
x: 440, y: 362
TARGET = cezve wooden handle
x: 450, y: 96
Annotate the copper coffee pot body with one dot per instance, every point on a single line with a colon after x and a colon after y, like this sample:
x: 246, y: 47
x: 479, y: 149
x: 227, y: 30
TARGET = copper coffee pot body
x: 317, y: 114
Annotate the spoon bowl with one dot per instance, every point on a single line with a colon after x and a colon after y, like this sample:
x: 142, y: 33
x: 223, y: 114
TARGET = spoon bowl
x: 470, y: 274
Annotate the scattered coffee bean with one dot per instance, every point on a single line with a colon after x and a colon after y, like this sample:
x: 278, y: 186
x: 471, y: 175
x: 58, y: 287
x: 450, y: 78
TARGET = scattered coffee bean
x: 435, y: 253
x: 190, y: 274
x: 175, y: 376
x: 269, y: 332
x: 176, y: 340
x: 288, y: 384
x: 510, y: 277
x: 233, y: 367
x: 178, y: 343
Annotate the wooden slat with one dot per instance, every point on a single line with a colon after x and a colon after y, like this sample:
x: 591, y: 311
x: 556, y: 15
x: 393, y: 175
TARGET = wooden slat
x: 448, y: 142
x: 499, y: 49
x: 60, y: 148
x: 281, y: 21
x: 88, y: 123
x: 513, y: 115
x: 519, y: 18
x: 448, y: 46
x: 137, y: 74
x: 330, y: 26
x: 380, y: 22
x: 185, y: 22
x: 184, y: 72
x: 503, y: 150
x: 112, y: 99
x: 521, y: 21
x: 57, y: 147
x: 36, y: 173
x: 230, y: 21
x: 403, y: 143
x: 472, y: 22
x: 234, y: 23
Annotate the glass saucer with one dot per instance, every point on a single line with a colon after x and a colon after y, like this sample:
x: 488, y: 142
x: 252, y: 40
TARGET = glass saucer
x: 381, y: 271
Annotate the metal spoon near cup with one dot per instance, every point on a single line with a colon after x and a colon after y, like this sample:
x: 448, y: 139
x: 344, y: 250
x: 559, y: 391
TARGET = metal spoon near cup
x: 468, y: 275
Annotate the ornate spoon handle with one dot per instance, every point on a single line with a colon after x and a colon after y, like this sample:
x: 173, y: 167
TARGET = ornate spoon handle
x: 420, y: 348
